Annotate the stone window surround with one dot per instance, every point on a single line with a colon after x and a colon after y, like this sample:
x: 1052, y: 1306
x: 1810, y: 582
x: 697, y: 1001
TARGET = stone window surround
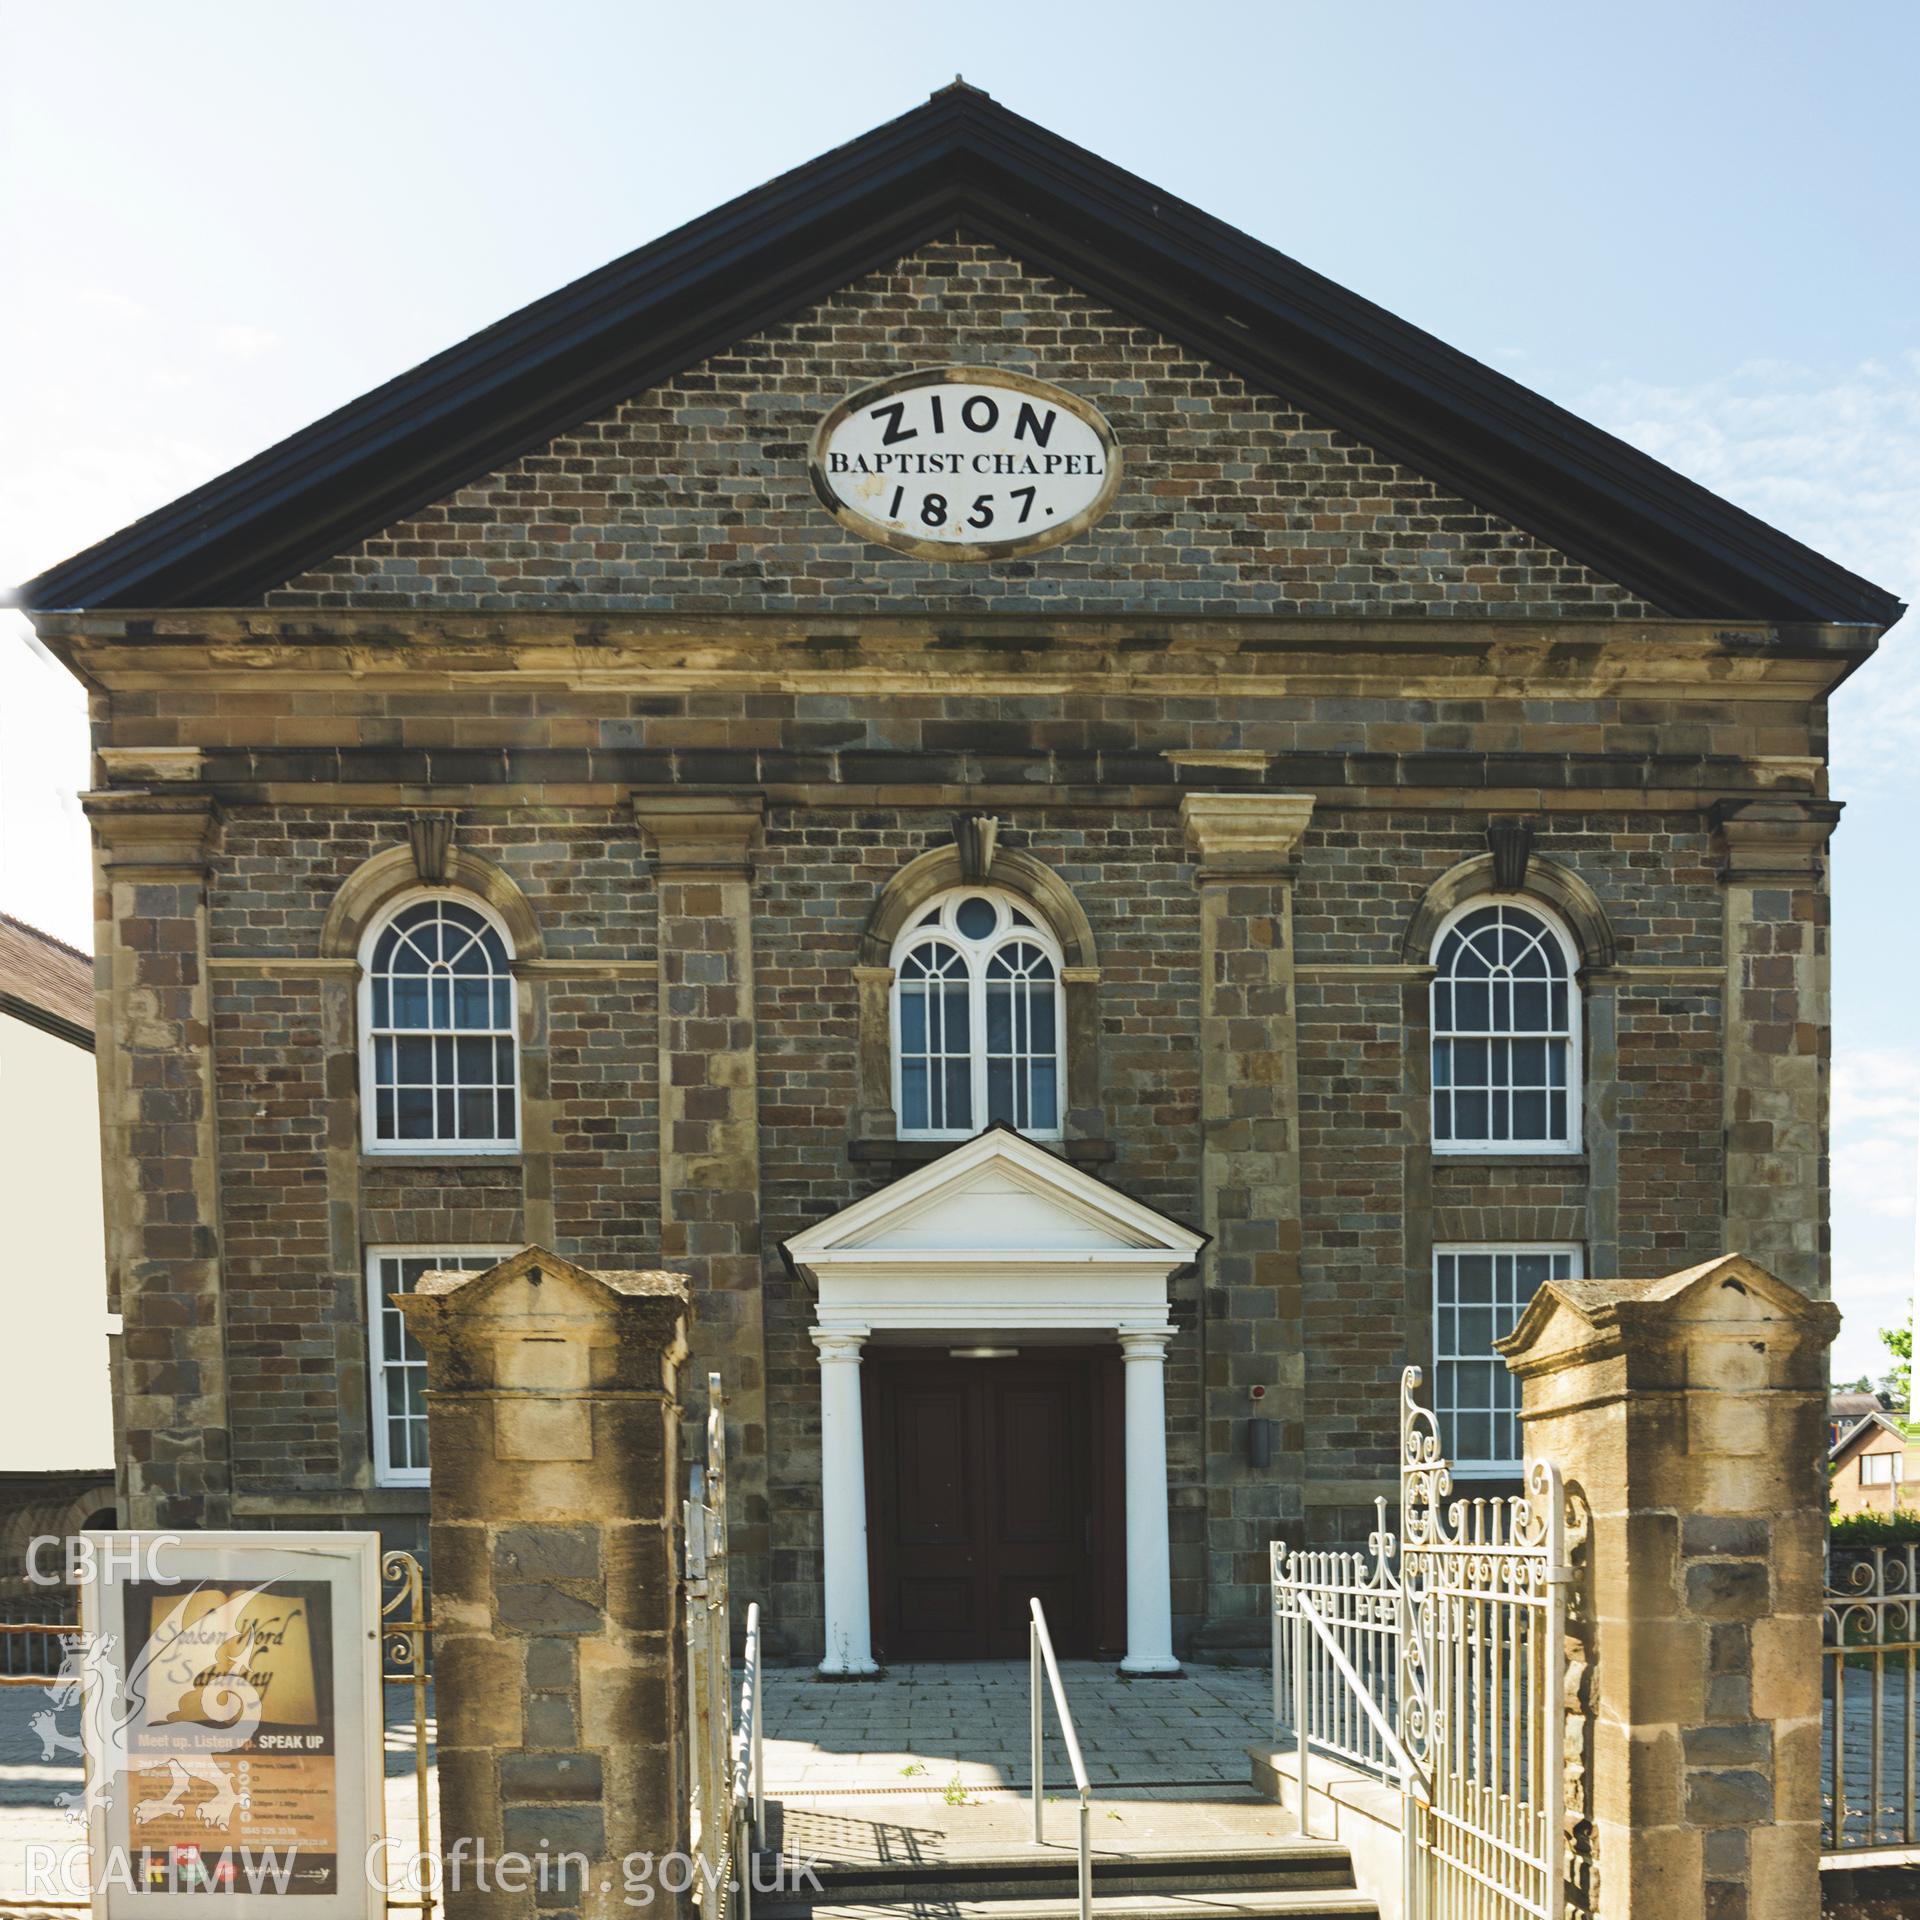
x: 974, y: 957
x: 384, y: 1474
x: 876, y: 1128
x: 435, y: 1148
x: 1575, y: 1253
x: 1573, y: 1143
x: 377, y: 887
x: 362, y: 899
x: 1583, y: 919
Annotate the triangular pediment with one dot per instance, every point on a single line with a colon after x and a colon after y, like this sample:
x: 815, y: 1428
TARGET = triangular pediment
x: 961, y: 164
x: 996, y: 1194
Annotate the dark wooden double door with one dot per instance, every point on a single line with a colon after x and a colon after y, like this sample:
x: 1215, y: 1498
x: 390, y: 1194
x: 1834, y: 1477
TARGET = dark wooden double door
x: 990, y: 1481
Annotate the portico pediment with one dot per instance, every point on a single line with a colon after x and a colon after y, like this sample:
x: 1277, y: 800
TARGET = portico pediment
x: 997, y: 1194
x: 998, y: 1232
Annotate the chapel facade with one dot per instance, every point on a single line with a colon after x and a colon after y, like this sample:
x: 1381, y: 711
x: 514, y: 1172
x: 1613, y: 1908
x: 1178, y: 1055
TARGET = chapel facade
x: 1084, y: 1003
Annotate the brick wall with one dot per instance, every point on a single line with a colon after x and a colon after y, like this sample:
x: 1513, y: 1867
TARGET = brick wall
x: 694, y: 496
x: 296, y: 1291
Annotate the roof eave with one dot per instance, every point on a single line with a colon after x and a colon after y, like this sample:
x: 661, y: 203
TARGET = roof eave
x: 962, y: 160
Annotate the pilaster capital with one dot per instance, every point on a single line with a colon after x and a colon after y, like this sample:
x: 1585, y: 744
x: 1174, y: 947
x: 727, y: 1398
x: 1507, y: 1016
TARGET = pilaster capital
x: 701, y: 836
x: 1777, y: 837
x: 161, y: 835
x: 1236, y: 835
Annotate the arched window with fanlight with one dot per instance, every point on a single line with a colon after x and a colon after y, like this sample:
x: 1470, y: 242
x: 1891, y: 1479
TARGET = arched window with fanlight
x: 439, y: 1046
x: 978, y: 1033
x: 1506, y: 1031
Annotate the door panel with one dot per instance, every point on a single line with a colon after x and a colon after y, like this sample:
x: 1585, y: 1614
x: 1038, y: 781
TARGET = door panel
x: 1035, y: 1481
x: 936, y: 1466
x: 929, y: 1511
x: 982, y: 1491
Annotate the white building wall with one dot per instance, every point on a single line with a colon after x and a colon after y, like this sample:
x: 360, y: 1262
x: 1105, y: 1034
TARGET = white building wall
x: 55, y: 1397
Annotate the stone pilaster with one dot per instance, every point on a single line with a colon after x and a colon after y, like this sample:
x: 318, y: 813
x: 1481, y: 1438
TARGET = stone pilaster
x: 154, y: 1051
x: 553, y: 1422
x: 1688, y: 1416
x: 1252, y: 1326
x: 703, y: 848
x: 1778, y: 1033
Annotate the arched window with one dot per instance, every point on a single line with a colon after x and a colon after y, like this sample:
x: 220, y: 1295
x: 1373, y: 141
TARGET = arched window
x: 977, y: 1026
x: 1506, y: 1031
x: 439, y: 1061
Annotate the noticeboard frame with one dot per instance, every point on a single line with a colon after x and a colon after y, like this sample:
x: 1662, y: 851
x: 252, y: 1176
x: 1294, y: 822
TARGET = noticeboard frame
x: 348, y: 1565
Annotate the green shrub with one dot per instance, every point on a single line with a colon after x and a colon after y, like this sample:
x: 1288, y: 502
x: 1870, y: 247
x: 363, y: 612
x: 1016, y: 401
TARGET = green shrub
x: 1876, y: 1529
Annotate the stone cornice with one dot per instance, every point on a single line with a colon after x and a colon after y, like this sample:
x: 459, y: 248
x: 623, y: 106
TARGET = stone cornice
x: 1015, y: 653
x: 1781, y: 837
x: 1235, y: 834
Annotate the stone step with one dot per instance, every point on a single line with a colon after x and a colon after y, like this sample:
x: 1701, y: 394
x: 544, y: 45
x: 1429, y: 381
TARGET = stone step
x: 1013, y: 1878
x: 1252, y: 1903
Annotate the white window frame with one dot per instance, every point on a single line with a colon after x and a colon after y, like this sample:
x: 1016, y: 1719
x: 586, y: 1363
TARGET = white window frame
x: 976, y: 955
x: 1575, y: 1254
x: 370, y: 1142
x: 1896, y: 1469
x: 1570, y: 1143
x: 385, y: 1473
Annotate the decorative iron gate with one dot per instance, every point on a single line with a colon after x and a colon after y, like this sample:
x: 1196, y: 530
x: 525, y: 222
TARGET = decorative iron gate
x: 1436, y: 1662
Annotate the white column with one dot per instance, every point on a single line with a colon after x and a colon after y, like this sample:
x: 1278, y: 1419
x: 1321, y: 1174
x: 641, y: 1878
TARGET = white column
x: 843, y: 1505
x: 1149, y: 1560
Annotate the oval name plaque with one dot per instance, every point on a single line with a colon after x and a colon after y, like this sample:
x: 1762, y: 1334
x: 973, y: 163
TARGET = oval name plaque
x: 965, y: 463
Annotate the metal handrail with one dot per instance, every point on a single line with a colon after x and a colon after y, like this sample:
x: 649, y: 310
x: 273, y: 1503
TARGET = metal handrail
x: 1411, y: 1772
x: 1039, y: 1653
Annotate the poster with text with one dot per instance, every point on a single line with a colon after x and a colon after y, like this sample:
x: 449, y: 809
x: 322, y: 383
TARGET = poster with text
x: 239, y: 1768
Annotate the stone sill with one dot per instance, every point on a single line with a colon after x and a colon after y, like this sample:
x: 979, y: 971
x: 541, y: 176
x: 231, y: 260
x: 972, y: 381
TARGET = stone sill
x: 452, y: 1163
x: 391, y: 1502
x: 1575, y: 1163
x: 921, y: 1153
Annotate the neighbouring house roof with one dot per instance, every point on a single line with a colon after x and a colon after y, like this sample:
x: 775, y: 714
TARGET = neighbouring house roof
x: 961, y: 163
x: 45, y: 982
x: 1865, y: 1429
x: 1854, y: 1403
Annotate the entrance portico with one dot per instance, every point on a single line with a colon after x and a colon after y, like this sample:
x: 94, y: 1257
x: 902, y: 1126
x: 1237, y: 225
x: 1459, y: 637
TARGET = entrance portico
x: 998, y: 1245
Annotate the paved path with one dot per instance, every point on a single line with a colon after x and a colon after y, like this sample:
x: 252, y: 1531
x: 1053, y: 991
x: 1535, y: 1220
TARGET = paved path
x: 934, y: 1729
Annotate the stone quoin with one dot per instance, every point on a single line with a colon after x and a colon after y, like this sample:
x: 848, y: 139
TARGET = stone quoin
x: 1082, y: 1008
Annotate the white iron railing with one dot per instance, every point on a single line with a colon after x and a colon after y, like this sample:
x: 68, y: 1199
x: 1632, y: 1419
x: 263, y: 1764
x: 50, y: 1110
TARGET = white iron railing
x: 747, y: 1798
x: 725, y: 1790
x: 1435, y: 1662
x: 1336, y: 1650
x: 1039, y: 1656
x: 1870, y: 1624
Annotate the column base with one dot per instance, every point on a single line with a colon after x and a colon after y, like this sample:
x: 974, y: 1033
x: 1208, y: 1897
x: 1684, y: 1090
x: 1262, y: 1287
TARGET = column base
x: 828, y: 1670
x: 1151, y: 1667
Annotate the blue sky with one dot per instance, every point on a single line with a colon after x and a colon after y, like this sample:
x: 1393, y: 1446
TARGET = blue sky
x: 1694, y: 225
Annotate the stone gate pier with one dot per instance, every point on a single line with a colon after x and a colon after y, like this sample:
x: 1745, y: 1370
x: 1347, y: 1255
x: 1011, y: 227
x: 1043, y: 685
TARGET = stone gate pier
x: 552, y: 1414
x: 1687, y: 1416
